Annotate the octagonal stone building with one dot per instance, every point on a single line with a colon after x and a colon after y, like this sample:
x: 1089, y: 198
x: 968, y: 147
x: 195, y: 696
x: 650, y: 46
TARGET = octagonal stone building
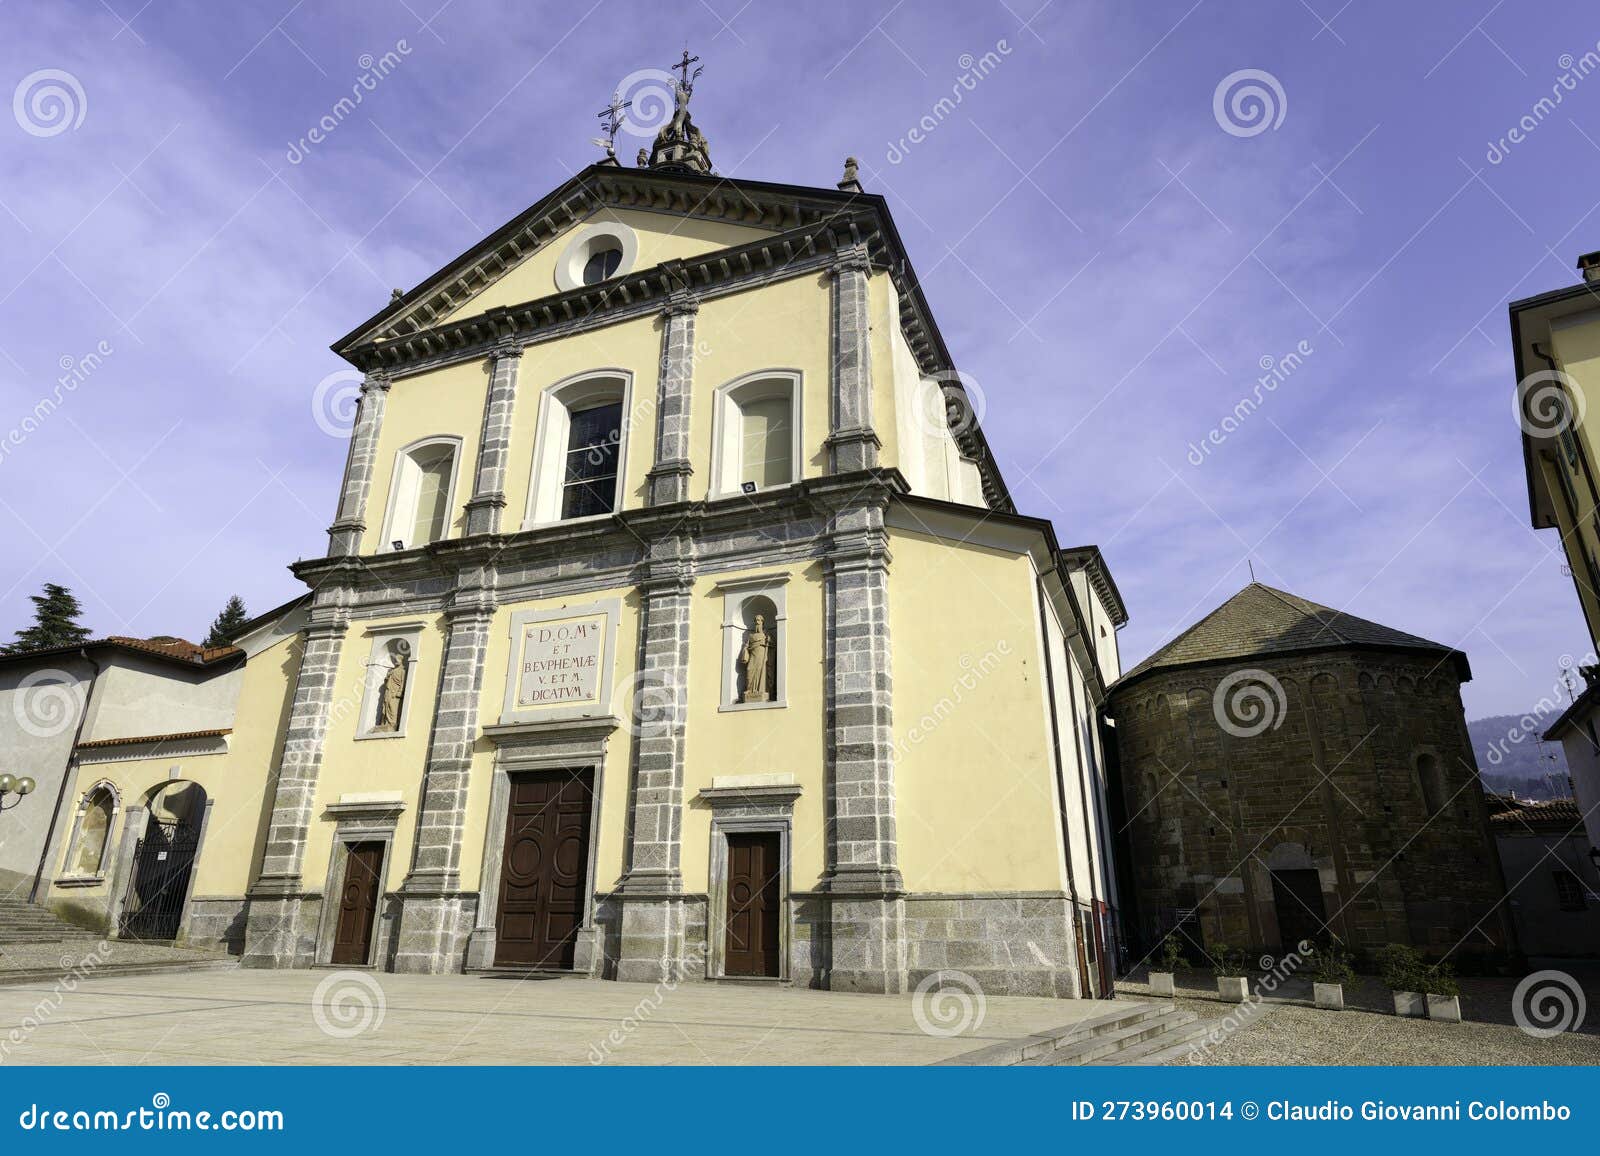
x: 1291, y: 772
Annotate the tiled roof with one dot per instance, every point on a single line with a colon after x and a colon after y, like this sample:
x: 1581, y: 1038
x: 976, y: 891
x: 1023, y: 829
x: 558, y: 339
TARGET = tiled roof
x: 175, y: 648
x: 1260, y: 621
x: 162, y: 646
x: 1511, y: 812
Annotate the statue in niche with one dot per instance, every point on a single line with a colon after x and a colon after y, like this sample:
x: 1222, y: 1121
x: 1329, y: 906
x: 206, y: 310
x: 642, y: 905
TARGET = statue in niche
x: 392, y: 694
x: 756, y: 656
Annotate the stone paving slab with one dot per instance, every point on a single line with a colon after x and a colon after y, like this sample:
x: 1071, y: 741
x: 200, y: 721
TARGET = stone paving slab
x: 90, y: 952
x: 342, y: 1017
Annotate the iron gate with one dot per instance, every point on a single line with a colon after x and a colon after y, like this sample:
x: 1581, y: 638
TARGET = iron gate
x: 161, y: 867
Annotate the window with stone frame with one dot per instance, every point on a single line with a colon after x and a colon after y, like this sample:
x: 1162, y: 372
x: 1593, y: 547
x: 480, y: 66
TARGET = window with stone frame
x: 756, y: 433
x: 589, y: 480
x: 421, y: 493
x: 1569, y: 890
x: 94, y: 833
x: 1431, y: 779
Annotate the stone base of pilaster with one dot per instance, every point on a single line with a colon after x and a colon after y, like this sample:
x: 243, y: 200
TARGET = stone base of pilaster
x: 483, y: 514
x: 868, y: 940
x: 433, y: 932
x: 999, y: 944
x: 279, y: 931
x: 669, y: 483
x: 344, y: 537
x: 662, y: 938
x: 852, y: 450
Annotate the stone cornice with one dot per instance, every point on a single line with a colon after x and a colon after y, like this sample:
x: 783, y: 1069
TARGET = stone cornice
x: 621, y: 550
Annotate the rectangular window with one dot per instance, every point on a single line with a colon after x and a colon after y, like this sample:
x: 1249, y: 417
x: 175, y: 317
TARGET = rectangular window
x: 589, y: 480
x: 767, y: 437
x: 1569, y: 891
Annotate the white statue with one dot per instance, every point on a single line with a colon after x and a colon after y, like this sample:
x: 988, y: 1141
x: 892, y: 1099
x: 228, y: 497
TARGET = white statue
x: 757, y: 659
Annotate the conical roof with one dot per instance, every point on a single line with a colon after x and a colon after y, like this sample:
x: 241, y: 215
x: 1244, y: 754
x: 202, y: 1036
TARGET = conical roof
x: 1261, y: 622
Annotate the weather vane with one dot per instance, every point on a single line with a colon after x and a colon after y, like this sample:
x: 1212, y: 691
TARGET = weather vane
x: 610, y: 122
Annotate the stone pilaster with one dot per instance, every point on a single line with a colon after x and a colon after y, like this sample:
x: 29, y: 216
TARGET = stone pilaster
x: 344, y: 536
x: 852, y: 443
x: 653, y: 941
x: 432, y: 921
x: 868, y: 913
x: 272, y: 928
x: 669, y: 477
x: 489, y: 485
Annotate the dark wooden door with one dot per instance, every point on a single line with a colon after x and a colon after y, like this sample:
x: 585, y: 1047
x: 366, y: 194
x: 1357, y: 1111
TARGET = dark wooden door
x: 544, y: 873
x: 753, y: 907
x: 358, y: 904
x: 1297, y: 896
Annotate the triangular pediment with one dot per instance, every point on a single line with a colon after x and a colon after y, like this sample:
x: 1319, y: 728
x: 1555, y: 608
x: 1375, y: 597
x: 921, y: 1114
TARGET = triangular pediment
x: 672, y: 217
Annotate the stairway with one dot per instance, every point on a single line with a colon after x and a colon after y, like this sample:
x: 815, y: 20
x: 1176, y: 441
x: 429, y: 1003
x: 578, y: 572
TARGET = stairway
x: 23, y: 922
x: 1127, y: 1031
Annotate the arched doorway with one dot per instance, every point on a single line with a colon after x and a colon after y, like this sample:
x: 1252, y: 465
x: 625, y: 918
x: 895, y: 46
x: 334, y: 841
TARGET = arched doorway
x: 164, y: 862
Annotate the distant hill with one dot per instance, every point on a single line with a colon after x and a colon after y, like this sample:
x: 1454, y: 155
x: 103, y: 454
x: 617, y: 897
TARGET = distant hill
x: 1512, y: 760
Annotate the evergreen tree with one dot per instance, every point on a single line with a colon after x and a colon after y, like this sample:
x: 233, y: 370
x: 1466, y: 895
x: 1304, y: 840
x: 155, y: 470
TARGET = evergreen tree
x: 55, y: 622
x: 225, y: 625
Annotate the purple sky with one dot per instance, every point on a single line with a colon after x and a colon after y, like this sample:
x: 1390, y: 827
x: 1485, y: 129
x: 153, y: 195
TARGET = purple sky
x: 1107, y: 263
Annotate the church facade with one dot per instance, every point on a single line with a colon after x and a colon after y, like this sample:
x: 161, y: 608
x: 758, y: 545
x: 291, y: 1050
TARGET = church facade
x: 675, y: 622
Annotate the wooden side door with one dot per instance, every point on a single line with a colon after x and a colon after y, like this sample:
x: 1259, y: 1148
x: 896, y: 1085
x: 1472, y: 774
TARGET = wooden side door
x: 358, y: 904
x: 544, y: 872
x: 754, y: 910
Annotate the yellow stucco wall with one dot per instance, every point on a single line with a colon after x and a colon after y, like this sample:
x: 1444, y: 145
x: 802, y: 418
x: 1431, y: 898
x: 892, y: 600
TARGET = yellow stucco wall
x: 237, y: 782
x: 447, y: 401
x: 1576, y: 348
x: 973, y: 776
x: 662, y: 237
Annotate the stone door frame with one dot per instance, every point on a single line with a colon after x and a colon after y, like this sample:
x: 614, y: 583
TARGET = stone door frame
x: 371, y: 821
x: 754, y: 808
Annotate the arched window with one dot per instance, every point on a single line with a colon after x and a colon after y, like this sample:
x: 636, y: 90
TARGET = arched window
x: 422, y: 493
x: 601, y: 265
x: 581, y: 454
x: 1431, y: 778
x: 756, y: 433
x: 95, y: 819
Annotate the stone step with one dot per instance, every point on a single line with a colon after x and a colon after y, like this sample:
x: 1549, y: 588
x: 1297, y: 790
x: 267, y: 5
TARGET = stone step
x: 1109, y: 1045
x: 53, y: 975
x: 1173, y: 1044
x: 1119, y: 1015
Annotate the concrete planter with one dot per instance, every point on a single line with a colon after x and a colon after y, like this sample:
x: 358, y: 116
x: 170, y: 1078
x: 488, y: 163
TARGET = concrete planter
x: 1410, y: 1004
x: 1444, y: 1008
x: 1161, y: 983
x: 1330, y: 996
x: 1233, y: 988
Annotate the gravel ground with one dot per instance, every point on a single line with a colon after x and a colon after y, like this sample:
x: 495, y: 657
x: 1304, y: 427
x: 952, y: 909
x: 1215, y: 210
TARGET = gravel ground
x: 1290, y: 1034
x: 1288, y: 1029
x: 89, y: 953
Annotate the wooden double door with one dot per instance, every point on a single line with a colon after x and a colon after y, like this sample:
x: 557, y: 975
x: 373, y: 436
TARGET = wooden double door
x: 544, y: 871
x: 358, y: 904
x: 755, y: 909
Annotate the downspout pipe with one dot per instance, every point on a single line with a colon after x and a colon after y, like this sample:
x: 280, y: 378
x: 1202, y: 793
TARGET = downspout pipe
x: 67, y: 776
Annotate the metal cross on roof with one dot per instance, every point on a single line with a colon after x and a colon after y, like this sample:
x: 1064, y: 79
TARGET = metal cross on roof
x: 611, y: 121
x: 683, y: 67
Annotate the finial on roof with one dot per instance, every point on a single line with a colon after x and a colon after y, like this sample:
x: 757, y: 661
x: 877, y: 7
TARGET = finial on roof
x: 851, y: 181
x: 610, y: 122
x: 680, y: 145
x: 396, y: 295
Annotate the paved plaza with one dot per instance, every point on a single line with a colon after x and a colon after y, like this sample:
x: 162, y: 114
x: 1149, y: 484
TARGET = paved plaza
x: 239, y: 1016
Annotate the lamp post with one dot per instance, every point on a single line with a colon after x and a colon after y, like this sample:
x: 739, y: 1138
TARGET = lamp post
x: 12, y: 785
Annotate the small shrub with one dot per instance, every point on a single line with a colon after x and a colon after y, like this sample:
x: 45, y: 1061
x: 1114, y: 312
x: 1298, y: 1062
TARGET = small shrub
x: 1440, y: 979
x: 1331, y: 964
x: 1170, y: 957
x: 1228, y: 961
x: 1401, y: 967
